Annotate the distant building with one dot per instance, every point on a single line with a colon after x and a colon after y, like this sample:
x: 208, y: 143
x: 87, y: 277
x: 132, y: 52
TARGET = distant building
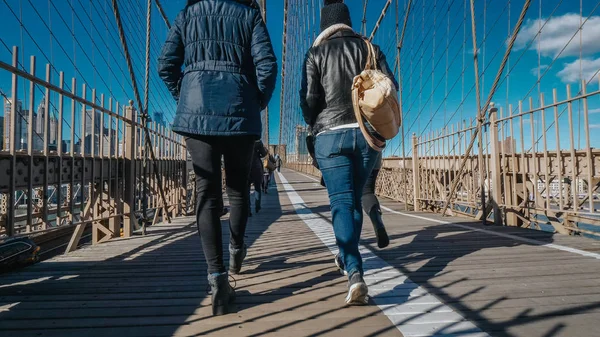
x: 66, y: 146
x: 94, y: 131
x: 2, y: 133
x: 555, y: 187
x: 20, y: 127
x: 159, y: 118
x: 39, y: 118
x: 508, y: 145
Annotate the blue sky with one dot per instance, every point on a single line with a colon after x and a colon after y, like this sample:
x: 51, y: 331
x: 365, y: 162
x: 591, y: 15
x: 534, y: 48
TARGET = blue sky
x: 437, y: 67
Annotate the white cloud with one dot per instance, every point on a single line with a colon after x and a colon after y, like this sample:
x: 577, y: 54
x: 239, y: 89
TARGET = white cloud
x: 472, y: 51
x: 594, y: 111
x: 557, y: 32
x: 594, y: 126
x: 541, y: 70
x: 586, y: 67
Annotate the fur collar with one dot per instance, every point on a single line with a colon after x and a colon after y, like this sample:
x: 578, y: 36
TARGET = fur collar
x: 327, y: 33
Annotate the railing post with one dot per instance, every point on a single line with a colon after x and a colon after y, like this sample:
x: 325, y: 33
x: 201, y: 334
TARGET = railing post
x: 415, y: 162
x: 129, y: 180
x: 12, y: 148
x: 496, y: 193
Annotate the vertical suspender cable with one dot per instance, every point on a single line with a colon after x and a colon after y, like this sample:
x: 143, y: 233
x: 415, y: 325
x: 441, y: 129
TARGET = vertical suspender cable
x: 480, y: 115
x: 139, y: 102
x: 463, y: 163
x: 144, y: 119
x: 364, y: 18
x: 400, y: 84
x: 282, y: 94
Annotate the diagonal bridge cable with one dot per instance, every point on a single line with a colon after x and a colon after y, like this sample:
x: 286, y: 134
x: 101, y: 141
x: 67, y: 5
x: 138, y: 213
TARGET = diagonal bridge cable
x: 481, y: 111
x: 144, y: 116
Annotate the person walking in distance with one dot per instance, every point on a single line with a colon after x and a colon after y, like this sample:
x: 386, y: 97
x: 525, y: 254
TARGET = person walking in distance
x: 269, y: 164
x: 278, y: 162
x: 341, y: 149
x: 218, y: 63
x: 256, y: 176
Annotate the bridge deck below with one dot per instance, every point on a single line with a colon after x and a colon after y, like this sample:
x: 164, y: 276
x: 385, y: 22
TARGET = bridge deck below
x: 435, y: 279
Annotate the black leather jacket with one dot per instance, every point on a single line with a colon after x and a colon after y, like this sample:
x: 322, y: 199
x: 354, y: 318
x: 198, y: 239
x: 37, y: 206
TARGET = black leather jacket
x: 327, y: 76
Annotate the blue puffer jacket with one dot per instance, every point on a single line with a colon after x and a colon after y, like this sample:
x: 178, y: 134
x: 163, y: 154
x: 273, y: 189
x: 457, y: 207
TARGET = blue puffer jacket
x: 229, y: 68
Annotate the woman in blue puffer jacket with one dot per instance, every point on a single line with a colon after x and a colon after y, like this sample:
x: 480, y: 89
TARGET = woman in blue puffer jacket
x: 219, y: 64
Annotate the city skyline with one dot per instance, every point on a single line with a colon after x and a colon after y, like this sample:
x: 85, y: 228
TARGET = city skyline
x: 22, y: 126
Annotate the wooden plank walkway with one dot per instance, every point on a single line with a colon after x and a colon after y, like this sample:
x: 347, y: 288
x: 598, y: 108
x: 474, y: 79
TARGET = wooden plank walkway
x: 435, y: 279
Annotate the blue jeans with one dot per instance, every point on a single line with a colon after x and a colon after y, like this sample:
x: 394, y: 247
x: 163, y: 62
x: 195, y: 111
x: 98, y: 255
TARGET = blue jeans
x: 346, y: 161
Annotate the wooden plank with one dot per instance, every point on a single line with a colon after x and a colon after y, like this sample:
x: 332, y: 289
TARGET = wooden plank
x: 475, y: 272
x: 156, y: 285
x: 302, y: 298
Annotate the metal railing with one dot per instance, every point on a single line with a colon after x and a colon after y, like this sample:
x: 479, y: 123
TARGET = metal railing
x: 69, y: 160
x: 535, y: 173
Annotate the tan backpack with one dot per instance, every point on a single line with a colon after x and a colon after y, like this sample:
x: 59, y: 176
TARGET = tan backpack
x: 374, y: 99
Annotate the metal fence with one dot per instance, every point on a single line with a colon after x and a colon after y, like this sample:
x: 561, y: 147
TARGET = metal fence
x: 521, y: 178
x: 71, y: 158
x: 531, y: 160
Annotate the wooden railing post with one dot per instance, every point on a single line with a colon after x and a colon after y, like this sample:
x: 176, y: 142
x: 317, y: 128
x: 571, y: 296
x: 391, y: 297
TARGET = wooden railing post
x: 416, y: 187
x: 129, y: 180
x: 496, y: 193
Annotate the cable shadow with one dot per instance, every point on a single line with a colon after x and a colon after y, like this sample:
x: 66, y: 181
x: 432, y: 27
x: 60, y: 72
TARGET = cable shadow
x: 154, y: 288
x: 428, y: 259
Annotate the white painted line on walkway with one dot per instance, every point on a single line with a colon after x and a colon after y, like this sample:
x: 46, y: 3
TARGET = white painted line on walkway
x: 309, y: 177
x: 412, y: 310
x: 504, y: 235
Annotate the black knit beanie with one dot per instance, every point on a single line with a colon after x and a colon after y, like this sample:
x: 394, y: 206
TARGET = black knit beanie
x: 334, y: 12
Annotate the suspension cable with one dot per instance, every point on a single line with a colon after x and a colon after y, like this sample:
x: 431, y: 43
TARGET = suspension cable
x: 162, y: 13
x: 139, y: 102
x: 381, y: 16
x: 489, y: 99
x: 283, y: 78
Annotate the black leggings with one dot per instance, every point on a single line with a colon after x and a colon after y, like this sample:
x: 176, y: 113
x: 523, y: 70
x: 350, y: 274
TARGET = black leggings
x: 266, y: 180
x: 369, y: 200
x: 257, y: 190
x: 206, y: 152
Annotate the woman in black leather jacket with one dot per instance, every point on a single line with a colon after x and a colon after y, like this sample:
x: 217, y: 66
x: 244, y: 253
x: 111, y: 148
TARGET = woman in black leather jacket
x: 342, y: 153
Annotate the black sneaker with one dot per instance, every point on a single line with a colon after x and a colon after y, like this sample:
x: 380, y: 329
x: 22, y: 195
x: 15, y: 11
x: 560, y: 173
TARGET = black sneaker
x: 222, y: 294
x: 340, y: 264
x: 257, y: 208
x: 236, y: 258
x: 224, y: 211
x: 380, y: 233
x: 357, y: 290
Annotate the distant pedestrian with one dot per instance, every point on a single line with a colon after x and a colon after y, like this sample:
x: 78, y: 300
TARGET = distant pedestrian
x: 269, y: 165
x: 256, y: 177
x: 278, y: 162
x: 219, y: 64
